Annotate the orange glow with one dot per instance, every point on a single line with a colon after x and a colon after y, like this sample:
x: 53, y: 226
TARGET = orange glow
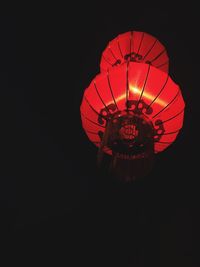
x: 137, y: 91
x: 148, y: 96
x: 117, y: 99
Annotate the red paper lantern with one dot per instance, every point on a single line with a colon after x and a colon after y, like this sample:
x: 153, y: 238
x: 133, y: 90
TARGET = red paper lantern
x: 133, y: 88
x: 132, y: 109
x: 135, y: 46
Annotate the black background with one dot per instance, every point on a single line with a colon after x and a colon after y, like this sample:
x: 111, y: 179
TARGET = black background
x: 55, y: 204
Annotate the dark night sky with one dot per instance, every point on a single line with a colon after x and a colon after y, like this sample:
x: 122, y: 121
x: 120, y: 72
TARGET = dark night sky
x: 54, y: 202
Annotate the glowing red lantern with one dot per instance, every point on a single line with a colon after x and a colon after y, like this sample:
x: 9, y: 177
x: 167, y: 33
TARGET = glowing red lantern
x: 135, y: 46
x: 132, y: 111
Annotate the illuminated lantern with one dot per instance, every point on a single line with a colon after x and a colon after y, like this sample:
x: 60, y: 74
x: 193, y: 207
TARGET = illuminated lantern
x: 137, y: 47
x: 132, y: 109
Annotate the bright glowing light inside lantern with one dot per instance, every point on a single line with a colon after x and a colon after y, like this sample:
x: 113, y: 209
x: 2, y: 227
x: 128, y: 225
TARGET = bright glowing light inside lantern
x: 137, y: 91
x: 148, y: 96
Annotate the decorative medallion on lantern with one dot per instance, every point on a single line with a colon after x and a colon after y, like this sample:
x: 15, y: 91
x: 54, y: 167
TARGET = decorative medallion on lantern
x: 132, y: 109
